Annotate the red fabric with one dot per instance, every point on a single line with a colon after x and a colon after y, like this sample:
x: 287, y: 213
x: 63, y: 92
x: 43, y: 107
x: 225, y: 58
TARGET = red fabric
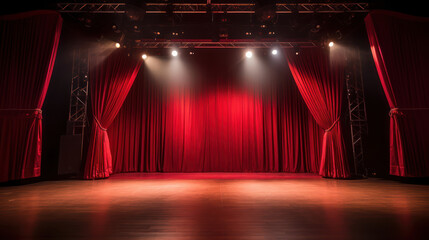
x: 28, y: 47
x: 111, y: 75
x: 221, y: 126
x: 399, y: 45
x: 319, y: 75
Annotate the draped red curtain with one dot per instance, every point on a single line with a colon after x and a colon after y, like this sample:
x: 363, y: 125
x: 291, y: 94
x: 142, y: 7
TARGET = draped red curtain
x: 319, y: 75
x: 111, y: 75
x: 28, y: 48
x: 221, y: 126
x: 399, y: 45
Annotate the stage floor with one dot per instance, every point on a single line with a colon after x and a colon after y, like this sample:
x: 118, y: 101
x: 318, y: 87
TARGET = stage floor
x: 215, y: 206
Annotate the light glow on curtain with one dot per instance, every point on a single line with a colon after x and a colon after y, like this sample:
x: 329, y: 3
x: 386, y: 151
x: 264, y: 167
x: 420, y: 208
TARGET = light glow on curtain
x: 221, y: 123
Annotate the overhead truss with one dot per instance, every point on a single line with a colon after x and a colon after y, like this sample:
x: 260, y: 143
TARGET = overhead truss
x: 224, y: 44
x: 190, y: 8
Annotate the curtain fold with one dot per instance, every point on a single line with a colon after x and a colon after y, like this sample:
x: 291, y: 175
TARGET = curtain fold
x: 221, y: 125
x: 28, y: 48
x: 111, y: 75
x: 319, y: 75
x: 399, y: 46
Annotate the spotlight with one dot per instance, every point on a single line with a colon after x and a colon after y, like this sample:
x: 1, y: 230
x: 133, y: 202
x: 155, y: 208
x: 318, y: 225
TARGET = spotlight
x: 144, y: 56
x: 315, y: 29
x: 274, y: 52
x: 87, y: 21
x: 249, y: 54
x: 136, y: 28
x: 296, y: 50
x: 331, y: 44
x: 223, y: 32
x: 191, y: 50
x: 117, y: 45
x: 115, y: 28
x: 266, y: 11
x: 174, y: 53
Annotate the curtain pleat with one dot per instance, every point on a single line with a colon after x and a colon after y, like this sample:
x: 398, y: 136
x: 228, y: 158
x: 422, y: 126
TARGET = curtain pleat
x: 319, y: 75
x: 111, y: 75
x: 28, y: 48
x: 399, y: 46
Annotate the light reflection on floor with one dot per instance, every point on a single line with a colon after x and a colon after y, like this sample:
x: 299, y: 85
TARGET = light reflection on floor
x: 189, y: 207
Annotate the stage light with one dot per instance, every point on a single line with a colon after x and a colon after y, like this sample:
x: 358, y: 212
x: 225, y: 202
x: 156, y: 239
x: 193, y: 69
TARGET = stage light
x: 296, y: 50
x: 274, y: 52
x: 144, y: 56
x: 249, y: 54
x: 117, y: 45
x: 315, y: 29
x: 331, y: 44
x: 136, y: 28
x: 174, y: 53
x: 115, y: 28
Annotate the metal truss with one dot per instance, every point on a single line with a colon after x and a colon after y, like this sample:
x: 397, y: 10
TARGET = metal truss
x: 345, y: 7
x: 221, y: 44
x: 192, y: 8
x: 357, y: 110
x: 78, y: 93
x: 91, y: 7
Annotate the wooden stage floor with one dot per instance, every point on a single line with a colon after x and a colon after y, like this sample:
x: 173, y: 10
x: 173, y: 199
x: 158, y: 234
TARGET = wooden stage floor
x: 215, y: 206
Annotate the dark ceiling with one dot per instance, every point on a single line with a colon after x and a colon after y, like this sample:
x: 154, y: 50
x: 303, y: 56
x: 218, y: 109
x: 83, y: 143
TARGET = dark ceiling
x: 136, y: 26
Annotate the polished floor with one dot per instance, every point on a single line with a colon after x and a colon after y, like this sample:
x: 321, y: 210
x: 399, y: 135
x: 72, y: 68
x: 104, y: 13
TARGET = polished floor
x: 215, y: 206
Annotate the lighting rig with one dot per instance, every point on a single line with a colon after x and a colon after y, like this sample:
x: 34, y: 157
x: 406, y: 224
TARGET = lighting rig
x: 257, y: 20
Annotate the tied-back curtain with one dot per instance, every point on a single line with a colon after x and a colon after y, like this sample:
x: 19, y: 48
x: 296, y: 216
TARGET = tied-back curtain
x: 319, y: 75
x: 222, y: 126
x: 28, y: 48
x: 399, y: 45
x: 111, y: 75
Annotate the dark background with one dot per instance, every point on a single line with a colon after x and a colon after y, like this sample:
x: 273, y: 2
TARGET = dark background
x: 55, y: 108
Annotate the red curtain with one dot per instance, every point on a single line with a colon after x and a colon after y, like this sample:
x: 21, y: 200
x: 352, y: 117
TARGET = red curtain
x: 319, y: 75
x: 219, y: 126
x: 399, y: 45
x: 28, y: 47
x: 111, y: 75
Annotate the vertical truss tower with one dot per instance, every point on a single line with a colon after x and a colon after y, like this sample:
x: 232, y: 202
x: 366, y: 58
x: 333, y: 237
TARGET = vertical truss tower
x: 78, y: 93
x: 357, y: 110
x: 71, y: 144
